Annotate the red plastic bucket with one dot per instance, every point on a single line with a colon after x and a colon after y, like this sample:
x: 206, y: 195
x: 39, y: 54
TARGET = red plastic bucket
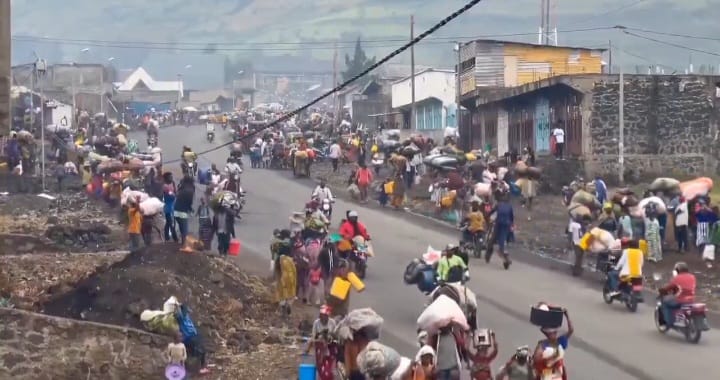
x: 234, y: 249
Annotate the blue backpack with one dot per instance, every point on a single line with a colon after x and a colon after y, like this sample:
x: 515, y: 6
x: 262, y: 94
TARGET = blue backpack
x: 204, y: 176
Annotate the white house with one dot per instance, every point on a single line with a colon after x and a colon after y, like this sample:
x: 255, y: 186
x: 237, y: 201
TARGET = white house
x: 434, y: 99
x: 140, y: 86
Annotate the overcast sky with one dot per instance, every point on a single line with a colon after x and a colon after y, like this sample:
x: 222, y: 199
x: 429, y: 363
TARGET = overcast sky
x: 264, y: 23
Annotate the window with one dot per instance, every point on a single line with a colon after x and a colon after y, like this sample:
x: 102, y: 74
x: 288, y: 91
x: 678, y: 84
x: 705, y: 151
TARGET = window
x: 437, y: 117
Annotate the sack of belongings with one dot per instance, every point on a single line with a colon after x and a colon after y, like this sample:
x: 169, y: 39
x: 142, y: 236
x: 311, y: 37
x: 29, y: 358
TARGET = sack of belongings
x: 378, y: 361
x: 365, y: 319
x: 695, y: 188
x: 666, y: 185
x: 601, y: 240
x: 534, y: 172
x: 225, y: 199
x: 354, y: 191
x: 162, y: 322
x: 128, y: 194
x: 586, y: 199
x: 657, y: 201
x: 440, y: 313
x: 483, y: 189
x: 578, y: 211
x: 151, y: 206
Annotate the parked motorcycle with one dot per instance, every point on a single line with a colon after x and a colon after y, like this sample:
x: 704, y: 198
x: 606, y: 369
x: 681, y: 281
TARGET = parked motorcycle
x: 690, y: 319
x: 358, y: 260
x: 629, y: 293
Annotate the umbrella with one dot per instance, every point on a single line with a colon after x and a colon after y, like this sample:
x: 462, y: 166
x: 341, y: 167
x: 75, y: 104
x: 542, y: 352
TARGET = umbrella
x: 190, y: 109
x: 99, y: 115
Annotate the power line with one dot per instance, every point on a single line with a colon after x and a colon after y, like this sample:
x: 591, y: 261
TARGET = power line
x: 671, y: 44
x: 219, y: 46
x: 614, y: 10
x: 374, y: 66
x: 674, y: 34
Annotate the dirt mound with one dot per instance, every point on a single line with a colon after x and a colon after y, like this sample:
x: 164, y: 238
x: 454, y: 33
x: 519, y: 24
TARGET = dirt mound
x: 233, y: 310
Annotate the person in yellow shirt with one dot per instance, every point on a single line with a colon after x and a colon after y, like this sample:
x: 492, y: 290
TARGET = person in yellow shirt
x: 134, y: 224
x: 629, y: 266
x: 475, y: 221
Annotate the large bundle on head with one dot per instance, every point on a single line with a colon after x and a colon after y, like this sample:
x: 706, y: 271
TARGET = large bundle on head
x: 625, y: 198
x: 378, y: 361
x: 122, y: 140
x: 586, y: 199
x: 483, y: 189
x: 657, y: 203
x: 578, y: 211
x: 134, y: 164
x: 442, y: 312
x: 590, y: 187
x: 666, y: 185
x: 695, y: 188
x: 521, y: 168
x: 151, y: 206
x: 534, y: 172
x: 225, y: 199
x: 129, y: 194
x: 602, y: 240
x: 365, y: 319
x: 301, y: 154
x: 110, y: 166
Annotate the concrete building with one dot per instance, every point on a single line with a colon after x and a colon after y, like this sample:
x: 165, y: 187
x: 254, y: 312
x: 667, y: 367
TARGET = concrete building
x: 671, y: 122
x: 210, y: 100
x: 5, y: 71
x: 434, y: 97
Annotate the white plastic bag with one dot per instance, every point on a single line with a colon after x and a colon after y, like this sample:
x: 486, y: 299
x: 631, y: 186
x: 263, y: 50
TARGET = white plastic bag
x: 440, y: 313
x: 709, y: 252
x: 431, y: 255
x: 151, y: 206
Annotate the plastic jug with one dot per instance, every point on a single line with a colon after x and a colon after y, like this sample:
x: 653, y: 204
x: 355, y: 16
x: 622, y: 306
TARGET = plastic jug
x: 306, y: 370
x: 340, y: 288
x: 234, y: 249
x: 356, y: 282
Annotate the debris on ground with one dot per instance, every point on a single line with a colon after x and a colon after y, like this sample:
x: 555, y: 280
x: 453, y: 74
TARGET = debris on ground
x: 234, y: 311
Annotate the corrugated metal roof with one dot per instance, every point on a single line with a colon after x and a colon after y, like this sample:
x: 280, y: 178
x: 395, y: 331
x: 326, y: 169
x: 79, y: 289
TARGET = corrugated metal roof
x: 527, y: 44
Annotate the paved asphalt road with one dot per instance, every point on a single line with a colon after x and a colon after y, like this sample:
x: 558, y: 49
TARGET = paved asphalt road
x: 609, y: 342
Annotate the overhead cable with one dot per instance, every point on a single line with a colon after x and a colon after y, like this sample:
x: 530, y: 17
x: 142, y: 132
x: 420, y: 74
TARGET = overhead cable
x: 365, y: 72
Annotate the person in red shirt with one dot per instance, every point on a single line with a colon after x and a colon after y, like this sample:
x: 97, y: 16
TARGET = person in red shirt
x: 680, y: 290
x: 351, y: 227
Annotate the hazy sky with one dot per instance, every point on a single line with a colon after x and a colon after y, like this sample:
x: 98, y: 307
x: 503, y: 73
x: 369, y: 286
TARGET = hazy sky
x: 262, y: 24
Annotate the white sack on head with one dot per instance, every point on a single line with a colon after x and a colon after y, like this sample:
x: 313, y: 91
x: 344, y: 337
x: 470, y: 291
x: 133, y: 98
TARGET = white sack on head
x: 483, y: 189
x: 358, y: 319
x: 151, y: 206
x: 659, y: 204
x: 442, y: 312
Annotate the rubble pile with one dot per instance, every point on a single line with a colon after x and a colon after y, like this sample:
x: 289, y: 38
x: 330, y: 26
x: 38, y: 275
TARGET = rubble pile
x: 68, y: 221
x: 29, y: 280
x: 234, y: 311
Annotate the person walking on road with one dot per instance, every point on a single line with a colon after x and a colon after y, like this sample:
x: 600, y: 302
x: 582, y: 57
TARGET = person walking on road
x: 364, y: 178
x: 334, y: 154
x: 184, y: 206
x: 134, y: 224
x: 223, y: 224
x: 169, y: 195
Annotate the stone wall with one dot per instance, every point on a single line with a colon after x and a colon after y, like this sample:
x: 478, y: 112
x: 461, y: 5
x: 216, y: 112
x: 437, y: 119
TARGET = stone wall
x: 38, y: 347
x: 670, y: 122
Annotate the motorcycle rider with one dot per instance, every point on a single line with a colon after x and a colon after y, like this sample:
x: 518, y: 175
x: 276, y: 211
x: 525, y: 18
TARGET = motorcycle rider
x: 475, y: 220
x: 629, y: 266
x: 233, y: 171
x: 682, y: 286
x: 321, y: 193
x: 187, y: 157
x: 451, y: 267
x: 351, y: 227
x: 210, y: 128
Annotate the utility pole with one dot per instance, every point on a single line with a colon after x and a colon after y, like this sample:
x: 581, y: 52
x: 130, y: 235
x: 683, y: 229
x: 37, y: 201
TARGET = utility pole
x: 334, y: 84
x: 610, y: 57
x: 413, y: 110
x: 458, y: 92
x: 621, y: 134
x: 102, y: 92
x: 39, y: 69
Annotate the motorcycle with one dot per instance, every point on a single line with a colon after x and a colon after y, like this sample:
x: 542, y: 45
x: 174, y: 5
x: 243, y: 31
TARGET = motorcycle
x: 210, y: 136
x: 358, y: 260
x: 690, y: 319
x: 630, y: 293
x: 190, y: 169
x: 152, y: 141
x: 475, y: 246
x: 326, y: 208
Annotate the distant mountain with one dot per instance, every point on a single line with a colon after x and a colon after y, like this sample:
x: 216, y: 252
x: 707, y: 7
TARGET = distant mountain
x: 257, y: 27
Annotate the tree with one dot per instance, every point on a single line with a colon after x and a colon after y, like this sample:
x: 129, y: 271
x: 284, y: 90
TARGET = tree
x: 357, y: 64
